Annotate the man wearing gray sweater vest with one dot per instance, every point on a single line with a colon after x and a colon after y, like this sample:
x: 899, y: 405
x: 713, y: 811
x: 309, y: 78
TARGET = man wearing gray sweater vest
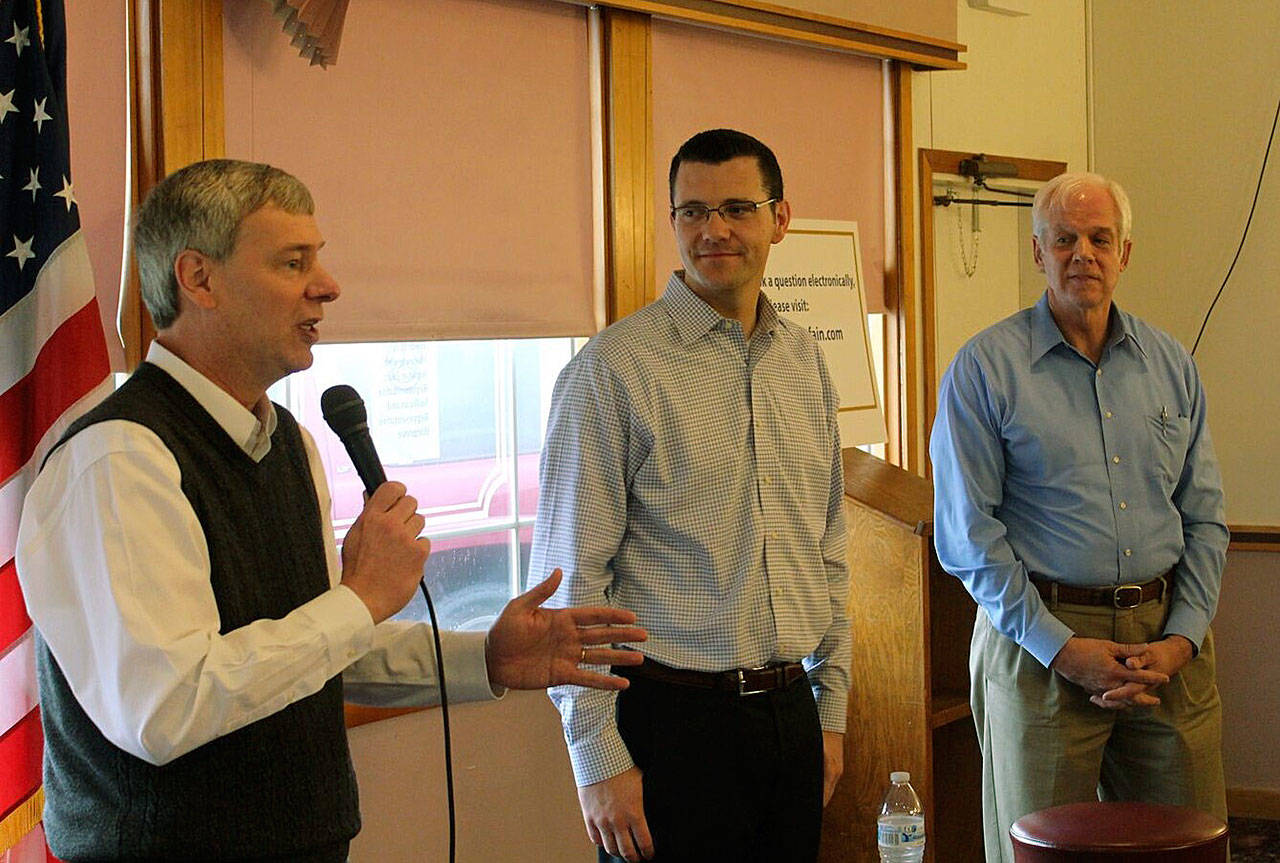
x: 197, y: 628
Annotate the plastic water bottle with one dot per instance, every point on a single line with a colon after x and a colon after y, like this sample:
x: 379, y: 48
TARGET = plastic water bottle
x: 900, y: 828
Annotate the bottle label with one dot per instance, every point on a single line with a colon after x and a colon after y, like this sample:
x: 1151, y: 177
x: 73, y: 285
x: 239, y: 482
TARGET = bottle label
x: 891, y: 833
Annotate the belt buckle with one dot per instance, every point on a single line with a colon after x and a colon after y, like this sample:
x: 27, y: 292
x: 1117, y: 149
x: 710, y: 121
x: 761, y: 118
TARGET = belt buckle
x: 1120, y: 596
x: 742, y: 681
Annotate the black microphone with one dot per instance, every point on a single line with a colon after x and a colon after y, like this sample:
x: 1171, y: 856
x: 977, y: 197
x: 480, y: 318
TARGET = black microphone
x: 344, y: 411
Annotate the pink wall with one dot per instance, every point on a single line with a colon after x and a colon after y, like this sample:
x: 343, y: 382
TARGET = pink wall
x: 97, y: 95
x: 448, y: 150
x: 821, y: 112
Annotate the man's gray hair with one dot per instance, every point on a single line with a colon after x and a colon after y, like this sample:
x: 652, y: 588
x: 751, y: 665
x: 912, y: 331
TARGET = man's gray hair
x: 201, y: 207
x: 1053, y: 196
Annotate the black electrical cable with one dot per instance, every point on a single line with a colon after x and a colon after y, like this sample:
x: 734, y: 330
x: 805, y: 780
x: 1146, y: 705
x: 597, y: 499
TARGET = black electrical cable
x: 444, y: 715
x: 1266, y: 157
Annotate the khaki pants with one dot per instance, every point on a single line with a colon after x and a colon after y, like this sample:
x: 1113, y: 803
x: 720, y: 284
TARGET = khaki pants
x: 1044, y: 744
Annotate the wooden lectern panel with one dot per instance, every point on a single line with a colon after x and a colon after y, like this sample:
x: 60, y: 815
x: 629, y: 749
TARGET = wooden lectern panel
x: 908, y: 706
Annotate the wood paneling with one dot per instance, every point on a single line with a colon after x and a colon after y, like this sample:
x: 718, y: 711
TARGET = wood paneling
x: 900, y: 386
x: 1254, y: 803
x: 909, y: 704
x: 888, y: 719
x: 629, y: 163
x: 794, y: 25
x: 176, y: 57
x: 1255, y: 537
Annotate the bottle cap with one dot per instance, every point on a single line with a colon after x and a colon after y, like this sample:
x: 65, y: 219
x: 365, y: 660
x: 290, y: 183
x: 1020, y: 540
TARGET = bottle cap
x: 899, y: 776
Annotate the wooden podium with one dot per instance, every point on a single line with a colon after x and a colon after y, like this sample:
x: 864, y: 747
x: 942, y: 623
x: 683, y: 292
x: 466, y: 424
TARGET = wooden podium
x: 909, y: 705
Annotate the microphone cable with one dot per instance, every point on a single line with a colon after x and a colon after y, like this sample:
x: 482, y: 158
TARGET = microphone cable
x: 444, y: 715
x: 1266, y: 157
x: 344, y: 412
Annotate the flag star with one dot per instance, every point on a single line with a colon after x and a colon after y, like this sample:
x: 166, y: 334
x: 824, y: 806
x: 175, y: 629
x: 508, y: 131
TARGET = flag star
x: 19, y: 39
x: 6, y: 105
x: 39, y: 115
x: 33, y: 185
x: 67, y: 194
x: 21, y: 251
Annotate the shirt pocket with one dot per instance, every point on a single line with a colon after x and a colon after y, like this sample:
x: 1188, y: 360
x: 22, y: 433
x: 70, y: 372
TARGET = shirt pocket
x: 1169, y: 435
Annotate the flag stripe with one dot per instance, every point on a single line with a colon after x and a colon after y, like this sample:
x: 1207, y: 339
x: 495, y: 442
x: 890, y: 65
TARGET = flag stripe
x: 21, y: 751
x: 18, y: 681
x: 14, y: 489
x: 71, y: 362
x: 63, y: 286
x: 13, y: 611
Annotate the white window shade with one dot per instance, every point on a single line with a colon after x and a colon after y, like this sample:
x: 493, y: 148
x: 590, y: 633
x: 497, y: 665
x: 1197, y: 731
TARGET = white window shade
x: 449, y: 153
x: 821, y: 112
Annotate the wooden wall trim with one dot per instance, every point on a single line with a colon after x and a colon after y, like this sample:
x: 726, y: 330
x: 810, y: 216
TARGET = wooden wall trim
x: 1254, y: 803
x: 948, y: 162
x: 629, y: 225
x: 900, y: 385
x: 176, y: 60
x: 1255, y: 537
x: 793, y: 25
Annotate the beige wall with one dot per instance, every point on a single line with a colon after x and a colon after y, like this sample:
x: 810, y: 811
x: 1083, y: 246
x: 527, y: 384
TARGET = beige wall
x: 1023, y: 95
x: 1202, y: 90
x: 1182, y: 110
x: 512, y: 785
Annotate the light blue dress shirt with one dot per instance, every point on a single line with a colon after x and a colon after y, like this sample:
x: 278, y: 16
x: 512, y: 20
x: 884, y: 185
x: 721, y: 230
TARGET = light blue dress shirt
x: 1088, y: 475
x: 694, y: 477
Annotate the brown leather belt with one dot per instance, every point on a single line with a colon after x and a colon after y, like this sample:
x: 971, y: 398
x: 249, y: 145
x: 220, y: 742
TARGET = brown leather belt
x: 740, y: 681
x: 1118, y: 596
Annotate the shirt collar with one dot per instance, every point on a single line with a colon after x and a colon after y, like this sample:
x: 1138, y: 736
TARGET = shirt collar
x: 1045, y: 335
x: 694, y: 318
x: 251, y: 430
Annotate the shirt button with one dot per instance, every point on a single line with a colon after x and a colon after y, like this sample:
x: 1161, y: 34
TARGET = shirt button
x: 1107, y: 414
x: 1098, y: 373
x: 1115, y: 459
x: 1124, y: 505
x: 1128, y: 552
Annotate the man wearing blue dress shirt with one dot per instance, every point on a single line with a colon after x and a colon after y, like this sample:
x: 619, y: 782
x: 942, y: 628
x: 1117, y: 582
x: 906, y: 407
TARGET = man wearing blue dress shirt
x: 1078, y: 498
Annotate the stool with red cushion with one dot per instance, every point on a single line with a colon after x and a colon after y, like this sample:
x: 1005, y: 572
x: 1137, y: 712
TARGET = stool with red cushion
x: 1119, y: 833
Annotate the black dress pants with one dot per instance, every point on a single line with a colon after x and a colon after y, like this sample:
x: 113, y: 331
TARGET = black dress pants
x: 726, y: 777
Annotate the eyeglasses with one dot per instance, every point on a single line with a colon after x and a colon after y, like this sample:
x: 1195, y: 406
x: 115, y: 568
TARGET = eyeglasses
x: 734, y: 211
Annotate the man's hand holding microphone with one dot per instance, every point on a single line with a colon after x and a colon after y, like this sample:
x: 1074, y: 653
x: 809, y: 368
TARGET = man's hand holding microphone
x: 528, y: 647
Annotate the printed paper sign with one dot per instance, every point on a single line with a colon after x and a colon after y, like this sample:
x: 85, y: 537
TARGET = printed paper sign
x: 814, y: 277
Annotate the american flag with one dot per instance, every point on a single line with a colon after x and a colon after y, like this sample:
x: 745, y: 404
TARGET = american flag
x: 53, y: 360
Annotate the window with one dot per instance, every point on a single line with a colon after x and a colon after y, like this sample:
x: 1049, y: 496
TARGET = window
x: 460, y: 423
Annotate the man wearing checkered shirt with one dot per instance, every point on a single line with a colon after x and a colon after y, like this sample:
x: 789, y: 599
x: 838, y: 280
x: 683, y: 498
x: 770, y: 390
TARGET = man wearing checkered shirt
x: 692, y: 474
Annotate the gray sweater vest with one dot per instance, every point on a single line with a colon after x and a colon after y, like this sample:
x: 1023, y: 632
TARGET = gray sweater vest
x: 279, y: 786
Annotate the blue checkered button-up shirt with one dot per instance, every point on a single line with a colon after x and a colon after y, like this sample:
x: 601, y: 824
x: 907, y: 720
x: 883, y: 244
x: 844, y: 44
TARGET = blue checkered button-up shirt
x: 694, y: 477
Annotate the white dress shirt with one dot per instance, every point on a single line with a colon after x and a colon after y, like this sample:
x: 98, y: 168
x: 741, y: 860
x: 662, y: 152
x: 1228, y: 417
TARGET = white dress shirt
x: 116, y: 575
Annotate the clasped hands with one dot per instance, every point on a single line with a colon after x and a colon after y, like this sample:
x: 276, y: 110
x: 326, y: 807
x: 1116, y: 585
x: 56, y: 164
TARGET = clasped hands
x: 1118, y: 676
